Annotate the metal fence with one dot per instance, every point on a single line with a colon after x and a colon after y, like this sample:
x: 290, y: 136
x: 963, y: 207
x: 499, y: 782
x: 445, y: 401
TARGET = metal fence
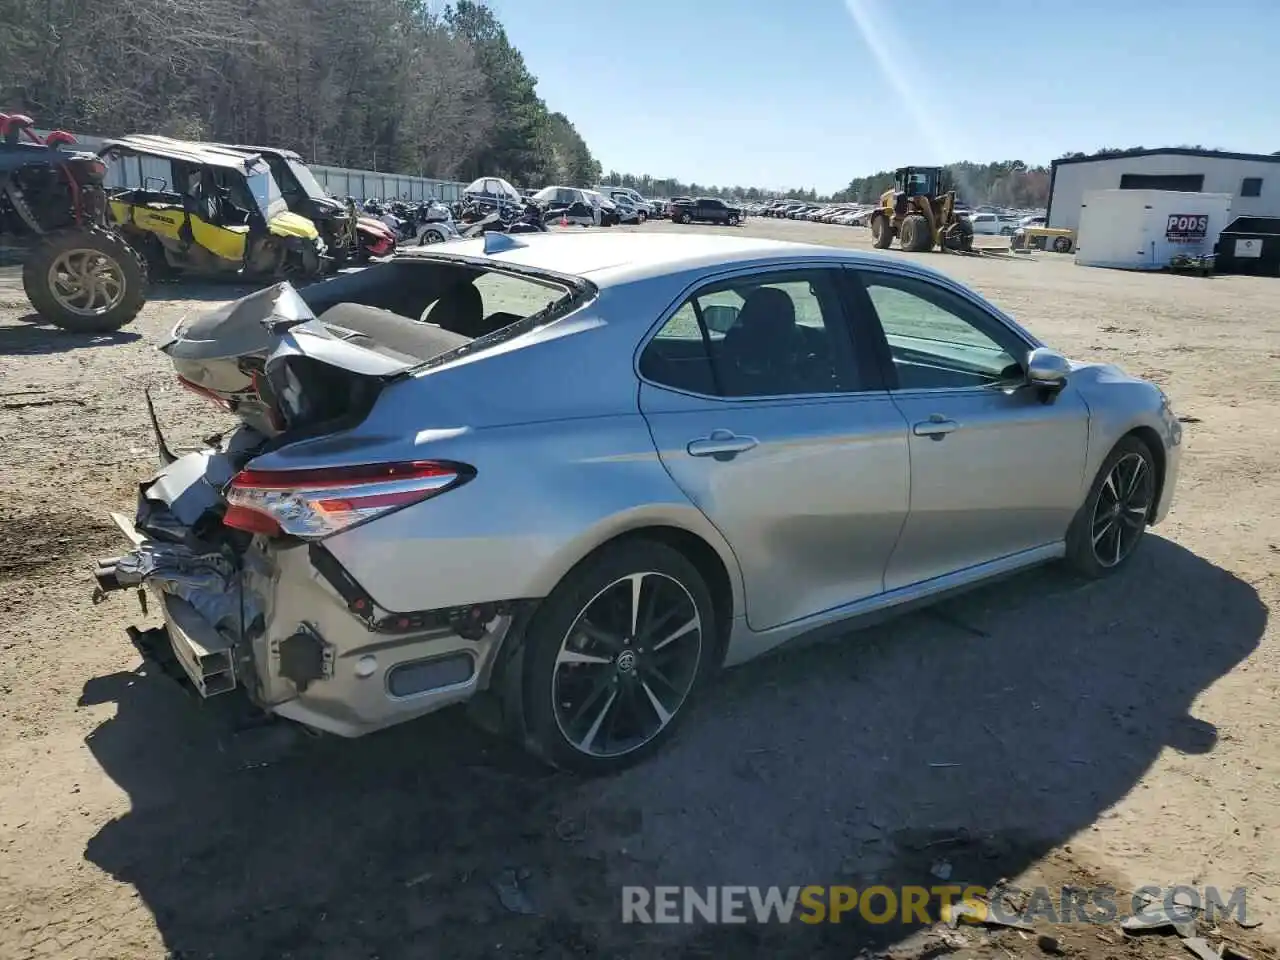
x: 338, y: 181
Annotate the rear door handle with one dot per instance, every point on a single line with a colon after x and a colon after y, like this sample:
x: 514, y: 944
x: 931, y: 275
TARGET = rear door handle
x: 936, y: 427
x: 722, y: 444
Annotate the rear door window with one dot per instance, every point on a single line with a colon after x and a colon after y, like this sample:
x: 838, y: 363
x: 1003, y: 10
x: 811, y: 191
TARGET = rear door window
x: 771, y: 335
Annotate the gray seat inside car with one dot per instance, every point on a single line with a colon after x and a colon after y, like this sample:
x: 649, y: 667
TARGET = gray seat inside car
x: 390, y: 331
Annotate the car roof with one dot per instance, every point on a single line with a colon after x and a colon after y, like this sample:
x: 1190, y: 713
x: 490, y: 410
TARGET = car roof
x: 261, y: 151
x: 188, y: 150
x: 608, y: 259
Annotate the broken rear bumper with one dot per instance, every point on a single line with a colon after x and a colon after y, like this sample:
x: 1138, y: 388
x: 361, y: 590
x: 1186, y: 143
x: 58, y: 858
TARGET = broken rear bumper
x: 282, y: 626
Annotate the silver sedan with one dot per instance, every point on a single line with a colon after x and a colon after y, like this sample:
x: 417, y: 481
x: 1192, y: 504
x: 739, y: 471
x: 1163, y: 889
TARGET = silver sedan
x: 569, y: 477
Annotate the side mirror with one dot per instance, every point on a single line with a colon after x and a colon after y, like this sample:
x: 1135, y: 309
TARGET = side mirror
x: 1047, y: 370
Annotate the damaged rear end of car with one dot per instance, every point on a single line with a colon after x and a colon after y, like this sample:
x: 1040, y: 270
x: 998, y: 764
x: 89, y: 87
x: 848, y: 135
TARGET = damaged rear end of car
x: 232, y: 542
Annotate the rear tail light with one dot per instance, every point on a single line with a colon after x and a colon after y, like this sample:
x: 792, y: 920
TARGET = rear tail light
x: 317, y: 503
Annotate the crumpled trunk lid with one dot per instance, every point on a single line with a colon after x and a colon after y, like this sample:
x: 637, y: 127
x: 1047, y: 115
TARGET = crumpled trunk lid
x: 267, y: 359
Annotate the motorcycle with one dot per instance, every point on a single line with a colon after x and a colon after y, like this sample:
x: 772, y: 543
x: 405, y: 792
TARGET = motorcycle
x: 435, y: 224
x: 532, y: 219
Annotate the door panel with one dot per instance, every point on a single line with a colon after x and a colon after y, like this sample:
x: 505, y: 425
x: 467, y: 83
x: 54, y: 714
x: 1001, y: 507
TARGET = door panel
x: 995, y: 469
x: 812, y: 508
x: 759, y: 411
x: 1006, y: 476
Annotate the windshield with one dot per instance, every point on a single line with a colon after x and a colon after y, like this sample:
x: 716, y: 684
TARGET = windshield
x: 265, y: 190
x: 546, y: 195
x: 307, y: 180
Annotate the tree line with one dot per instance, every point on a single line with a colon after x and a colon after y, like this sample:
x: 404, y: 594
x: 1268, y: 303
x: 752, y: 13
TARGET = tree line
x: 1006, y: 183
x: 372, y: 84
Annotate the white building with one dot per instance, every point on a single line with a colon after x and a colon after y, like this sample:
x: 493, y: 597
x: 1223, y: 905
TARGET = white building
x: 1252, y: 179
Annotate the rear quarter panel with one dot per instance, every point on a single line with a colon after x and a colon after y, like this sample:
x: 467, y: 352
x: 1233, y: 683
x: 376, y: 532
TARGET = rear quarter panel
x: 564, y: 462
x: 544, y: 496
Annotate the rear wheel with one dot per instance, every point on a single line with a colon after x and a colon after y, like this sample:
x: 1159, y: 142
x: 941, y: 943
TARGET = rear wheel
x: 881, y: 232
x: 85, y: 281
x: 1061, y: 245
x: 1109, y: 525
x: 613, y: 656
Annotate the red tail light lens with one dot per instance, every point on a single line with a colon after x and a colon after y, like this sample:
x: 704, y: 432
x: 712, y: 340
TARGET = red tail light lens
x: 317, y: 503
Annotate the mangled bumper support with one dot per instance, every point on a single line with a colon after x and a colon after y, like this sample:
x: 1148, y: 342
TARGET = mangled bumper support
x: 201, y: 601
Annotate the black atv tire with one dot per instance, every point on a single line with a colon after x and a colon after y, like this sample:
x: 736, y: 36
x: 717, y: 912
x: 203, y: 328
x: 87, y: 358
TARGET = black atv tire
x: 881, y: 232
x: 914, y: 233
x: 112, y: 247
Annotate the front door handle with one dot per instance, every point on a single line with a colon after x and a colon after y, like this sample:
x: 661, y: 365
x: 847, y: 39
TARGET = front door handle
x: 722, y: 444
x: 936, y: 427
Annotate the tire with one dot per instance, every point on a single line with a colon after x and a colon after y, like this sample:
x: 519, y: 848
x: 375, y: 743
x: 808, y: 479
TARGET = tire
x: 684, y: 218
x: 431, y: 236
x: 1101, y: 507
x: 881, y: 232
x: 733, y: 221
x: 916, y: 237
x: 1061, y: 245
x: 112, y: 255
x: 560, y: 699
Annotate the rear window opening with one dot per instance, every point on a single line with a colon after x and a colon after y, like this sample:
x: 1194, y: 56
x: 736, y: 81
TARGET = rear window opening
x: 423, y: 309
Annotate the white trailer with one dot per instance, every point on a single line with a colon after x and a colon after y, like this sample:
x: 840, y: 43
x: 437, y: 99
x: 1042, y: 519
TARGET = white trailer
x: 1145, y: 229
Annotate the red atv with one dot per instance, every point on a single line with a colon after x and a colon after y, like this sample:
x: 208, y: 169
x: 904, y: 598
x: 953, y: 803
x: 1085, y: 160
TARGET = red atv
x: 78, y: 273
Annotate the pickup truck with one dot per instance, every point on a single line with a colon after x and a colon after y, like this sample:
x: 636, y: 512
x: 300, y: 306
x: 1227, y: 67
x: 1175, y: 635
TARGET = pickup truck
x: 705, y: 209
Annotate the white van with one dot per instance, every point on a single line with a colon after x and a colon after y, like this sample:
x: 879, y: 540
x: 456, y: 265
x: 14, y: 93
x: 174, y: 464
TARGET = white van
x: 640, y: 203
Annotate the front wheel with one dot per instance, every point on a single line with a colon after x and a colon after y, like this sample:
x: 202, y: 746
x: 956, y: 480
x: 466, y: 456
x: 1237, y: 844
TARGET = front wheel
x: 613, y: 656
x: 1061, y: 245
x: 1109, y: 525
x: 85, y: 281
x: 881, y: 232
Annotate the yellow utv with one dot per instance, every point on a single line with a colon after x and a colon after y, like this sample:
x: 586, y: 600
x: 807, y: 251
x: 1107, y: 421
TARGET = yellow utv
x: 208, y: 211
x: 921, y: 212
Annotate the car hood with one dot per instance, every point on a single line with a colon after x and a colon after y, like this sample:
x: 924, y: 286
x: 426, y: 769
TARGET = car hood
x: 293, y: 225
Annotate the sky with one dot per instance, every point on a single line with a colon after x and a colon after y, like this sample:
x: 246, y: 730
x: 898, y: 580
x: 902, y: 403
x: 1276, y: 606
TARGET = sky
x: 811, y: 93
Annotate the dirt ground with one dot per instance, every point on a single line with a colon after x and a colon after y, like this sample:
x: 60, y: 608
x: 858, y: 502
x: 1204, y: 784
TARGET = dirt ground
x: 1122, y: 732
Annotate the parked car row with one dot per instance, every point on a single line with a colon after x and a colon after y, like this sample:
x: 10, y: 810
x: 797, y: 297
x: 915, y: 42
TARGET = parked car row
x: 849, y: 214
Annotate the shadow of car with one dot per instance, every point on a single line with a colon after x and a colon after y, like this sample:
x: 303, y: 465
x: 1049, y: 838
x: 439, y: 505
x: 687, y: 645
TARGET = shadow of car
x: 1015, y: 714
